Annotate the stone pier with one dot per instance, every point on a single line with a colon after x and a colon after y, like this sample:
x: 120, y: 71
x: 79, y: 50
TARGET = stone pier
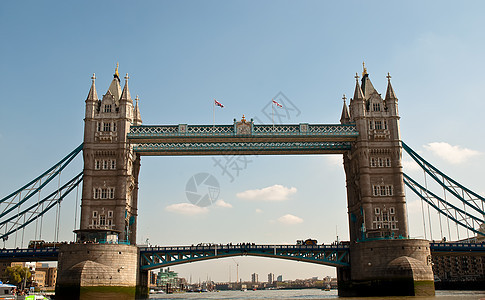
x: 89, y: 269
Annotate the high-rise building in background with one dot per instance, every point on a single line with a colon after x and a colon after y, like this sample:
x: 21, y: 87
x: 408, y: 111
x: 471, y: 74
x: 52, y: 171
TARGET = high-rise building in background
x: 270, y: 278
x: 279, y: 278
x: 254, y: 278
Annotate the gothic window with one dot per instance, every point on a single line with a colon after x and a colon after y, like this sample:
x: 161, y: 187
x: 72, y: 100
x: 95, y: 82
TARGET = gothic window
x: 114, y: 126
x: 376, y: 106
x: 377, y: 210
x: 113, y: 164
x: 94, y: 223
x: 102, y: 220
x: 111, y: 193
x: 97, y: 164
x: 383, y: 190
x: 381, y: 164
x: 371, y: 123
x: 110, y: 213
x: 394, y: 226
x: 95, y: 214
x: 385, y: 124
x: 105, y: 164
x: 388, y: 162
x: 96, y: 193
x: 378, y: 125
x: 104, y: 193
x: 391, y: 210
x: 372, y: 162
x: 107, y: 126
x: 107, y: 108
x: 98, y: 126
x: 389, y: 190
x: 376, y: 190
x: 110, y: 222
x: 393, y: 218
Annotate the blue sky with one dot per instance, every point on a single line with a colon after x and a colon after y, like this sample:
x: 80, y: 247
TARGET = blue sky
x: 182, y: 54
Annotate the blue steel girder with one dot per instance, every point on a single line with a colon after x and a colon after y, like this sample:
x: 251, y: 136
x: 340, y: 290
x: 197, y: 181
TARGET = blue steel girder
x: 159, y: 257
x: 226, y: 140
x: 44, y: 254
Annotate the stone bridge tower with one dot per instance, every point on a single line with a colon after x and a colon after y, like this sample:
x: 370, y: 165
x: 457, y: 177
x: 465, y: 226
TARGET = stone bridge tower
x: 384, y: 261
x: 110, y: 182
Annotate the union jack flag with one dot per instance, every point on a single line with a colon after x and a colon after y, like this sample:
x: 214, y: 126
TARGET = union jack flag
x: 277, y: 104
x: 218, y: 103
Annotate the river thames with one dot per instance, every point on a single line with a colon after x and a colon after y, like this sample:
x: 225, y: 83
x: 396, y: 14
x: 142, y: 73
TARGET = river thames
x: 308, y: 294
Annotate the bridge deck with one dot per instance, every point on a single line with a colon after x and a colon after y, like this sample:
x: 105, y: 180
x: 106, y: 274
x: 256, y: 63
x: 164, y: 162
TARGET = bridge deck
x: 256, y: 140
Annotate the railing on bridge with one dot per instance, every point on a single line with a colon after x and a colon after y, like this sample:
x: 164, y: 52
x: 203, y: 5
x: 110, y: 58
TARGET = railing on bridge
x: 184, y: 130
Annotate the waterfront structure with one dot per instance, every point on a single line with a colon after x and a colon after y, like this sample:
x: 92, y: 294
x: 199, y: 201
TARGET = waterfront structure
x: 368, y: 137
x: 279, y: 278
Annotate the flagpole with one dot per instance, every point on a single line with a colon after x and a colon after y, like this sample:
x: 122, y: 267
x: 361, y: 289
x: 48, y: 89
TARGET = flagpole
x: 214, y: 113
x: 272, y: 112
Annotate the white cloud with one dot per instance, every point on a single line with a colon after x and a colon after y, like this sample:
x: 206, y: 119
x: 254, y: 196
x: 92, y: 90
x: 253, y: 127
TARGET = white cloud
x: 276, y: 192
x: 334, y: 160
x: 222, y: 203
x: 186, y: 209
x: 452, y: 154
x: 290, y: 219
x: 258, y: 211
x: 410, y: 165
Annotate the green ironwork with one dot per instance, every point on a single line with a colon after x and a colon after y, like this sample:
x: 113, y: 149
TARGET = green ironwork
x: 159, y: 257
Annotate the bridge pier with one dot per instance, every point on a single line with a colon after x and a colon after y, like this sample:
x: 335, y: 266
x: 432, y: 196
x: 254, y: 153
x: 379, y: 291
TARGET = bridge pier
x: 87, y: 271
x: 398, y: 267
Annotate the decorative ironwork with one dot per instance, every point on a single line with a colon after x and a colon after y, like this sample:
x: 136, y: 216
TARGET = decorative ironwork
x: 145, y: 131
x: 241, y: 146
x: 158, y: 257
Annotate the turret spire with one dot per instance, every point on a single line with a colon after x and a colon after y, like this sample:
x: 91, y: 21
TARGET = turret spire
x: 390, y: 91
x: 345, y: 117
x: 93, y: 95
x: 125, y: 95
x: 358, y: 91
x: 137, y: 118
x: 116, y: 74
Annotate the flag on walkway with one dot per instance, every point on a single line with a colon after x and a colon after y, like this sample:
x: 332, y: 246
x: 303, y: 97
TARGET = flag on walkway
x: 218, y: 103
x: 277, y: 104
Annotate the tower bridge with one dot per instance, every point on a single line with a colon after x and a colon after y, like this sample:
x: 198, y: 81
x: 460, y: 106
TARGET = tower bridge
x: 379, y: 259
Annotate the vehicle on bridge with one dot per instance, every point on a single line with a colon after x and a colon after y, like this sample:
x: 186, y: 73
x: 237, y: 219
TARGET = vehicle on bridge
x: 307, y: 242
x: 41, y: 244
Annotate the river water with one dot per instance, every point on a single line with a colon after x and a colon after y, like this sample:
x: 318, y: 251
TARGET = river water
x: 309, y: 294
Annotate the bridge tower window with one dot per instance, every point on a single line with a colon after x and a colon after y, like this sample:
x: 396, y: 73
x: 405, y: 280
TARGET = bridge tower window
x: 372, y: 162
x: 388, y: 162
x: 377, y: 211
x: 376, y: 106
x: 105, y: 164
x: 96, y: 193
x: 107, y: 126
x: 107, y: 108
x: 113, y: 164
x: 378, y: 125
x: 98, y: 126
x: 110, y: 213
x: 391, y: 210
x: 97, y: 164
x: 102, y: 220
x: 95, y: 214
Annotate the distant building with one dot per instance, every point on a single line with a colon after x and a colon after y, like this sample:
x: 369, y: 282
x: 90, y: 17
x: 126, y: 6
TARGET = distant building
x: 270, y: 278
x: 279, y: 278
x: 50, y: 274
x: 254, y: 278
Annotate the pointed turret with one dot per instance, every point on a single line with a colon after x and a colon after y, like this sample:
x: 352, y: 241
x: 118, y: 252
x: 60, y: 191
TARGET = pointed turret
x: 390, y: 91
x: 367, y: 86
x: 114, y: 87
x: 137, y: 117
x: 345, y: 117
x: 93, y: 95
x: 391, y: 99
x: 125, y: 95
x: 358, y: 91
